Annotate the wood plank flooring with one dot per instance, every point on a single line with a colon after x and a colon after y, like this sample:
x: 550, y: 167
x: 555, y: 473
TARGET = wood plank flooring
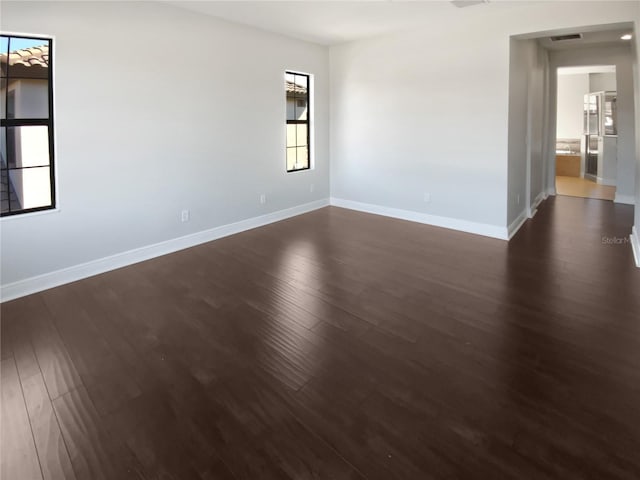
x: 582, y: 187
x: 339, y: 345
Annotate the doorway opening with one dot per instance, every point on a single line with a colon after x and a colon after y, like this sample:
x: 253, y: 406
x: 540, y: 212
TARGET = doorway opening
x: 586, y: 132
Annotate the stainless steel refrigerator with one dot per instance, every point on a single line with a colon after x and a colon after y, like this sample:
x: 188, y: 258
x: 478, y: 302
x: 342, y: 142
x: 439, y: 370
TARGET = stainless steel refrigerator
x: 600, y: 112
x: 592, y: 107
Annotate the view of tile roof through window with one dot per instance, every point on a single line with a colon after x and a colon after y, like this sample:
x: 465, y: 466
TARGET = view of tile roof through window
x: 293, y: 87
x: 28, y: 57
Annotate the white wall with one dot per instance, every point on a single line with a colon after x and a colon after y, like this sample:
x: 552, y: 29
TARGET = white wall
x: 608, y: 160
x: 622, y: 58
x: 602, y: 82
x: 158, y: 110
x: 571, y: 91
x: 428, y: 110
x: 406, y: 119
x: 527, y: 69
x: 636, y: 75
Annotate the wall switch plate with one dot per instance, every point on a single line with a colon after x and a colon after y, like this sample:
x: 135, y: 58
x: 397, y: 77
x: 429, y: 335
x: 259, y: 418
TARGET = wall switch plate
x: 184, y: 216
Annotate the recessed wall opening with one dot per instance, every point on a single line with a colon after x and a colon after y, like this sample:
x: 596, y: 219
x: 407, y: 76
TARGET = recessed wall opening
x: 586, y: 132
x: 553, y: 135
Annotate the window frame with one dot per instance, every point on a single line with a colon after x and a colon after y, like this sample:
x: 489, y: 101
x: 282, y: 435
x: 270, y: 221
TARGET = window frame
x: 25, y: 122
x: 306, y: 122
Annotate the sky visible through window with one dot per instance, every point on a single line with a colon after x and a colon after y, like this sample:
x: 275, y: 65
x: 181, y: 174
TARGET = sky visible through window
x: 19, y: 43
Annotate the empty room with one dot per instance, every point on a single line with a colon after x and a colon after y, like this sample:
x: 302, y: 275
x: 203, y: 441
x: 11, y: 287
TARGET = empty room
x: 319, y: 240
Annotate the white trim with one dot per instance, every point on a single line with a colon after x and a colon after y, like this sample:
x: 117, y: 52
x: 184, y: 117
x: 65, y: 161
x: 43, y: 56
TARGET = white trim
x: 78, y: 272
x: 606, y: 181
x: 516, y: 224
x: 635, y: 245
x: 542, y: 196
x: 626, y: 199
x: 18, y: 216
x: 483, y: 229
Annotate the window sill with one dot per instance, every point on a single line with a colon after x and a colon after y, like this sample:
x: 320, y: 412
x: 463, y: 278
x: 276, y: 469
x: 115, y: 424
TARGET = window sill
x: 30, y: 214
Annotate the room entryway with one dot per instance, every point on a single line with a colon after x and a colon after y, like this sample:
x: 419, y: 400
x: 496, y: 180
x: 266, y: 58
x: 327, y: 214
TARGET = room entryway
x: 586, y: 132
x: 582, y: 187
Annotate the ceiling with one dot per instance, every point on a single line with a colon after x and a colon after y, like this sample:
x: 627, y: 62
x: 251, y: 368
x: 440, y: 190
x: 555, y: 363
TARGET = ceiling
x: 337, y: 21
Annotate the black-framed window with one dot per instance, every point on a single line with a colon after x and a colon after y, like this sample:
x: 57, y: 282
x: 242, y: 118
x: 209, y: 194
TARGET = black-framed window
x: 298, y: 93
x: 26, y: 125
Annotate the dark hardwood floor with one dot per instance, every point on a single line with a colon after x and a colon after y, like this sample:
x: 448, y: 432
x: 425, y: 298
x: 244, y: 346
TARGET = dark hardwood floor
x: 339, y: 345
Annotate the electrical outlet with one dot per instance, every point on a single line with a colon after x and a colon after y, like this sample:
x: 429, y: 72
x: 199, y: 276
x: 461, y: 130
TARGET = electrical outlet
x: 263, y: 199
x: 518, y: 198
x: 311, y: 188
x: 184, y: 216
x: 427, y: 197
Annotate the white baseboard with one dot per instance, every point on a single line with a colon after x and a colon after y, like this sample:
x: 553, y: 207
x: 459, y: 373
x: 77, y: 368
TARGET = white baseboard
x: 626, y: 199
x: 483, y: 229
x: 78, y: 272
x: 635, y: 245
x: 591, y: 177
x: 516, y: 224
x: 606, y: 181
x: 542, y: 196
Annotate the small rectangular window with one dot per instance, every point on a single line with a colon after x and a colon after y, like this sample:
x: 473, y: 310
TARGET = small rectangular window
x: 297, y: 87
x: 26, y: 125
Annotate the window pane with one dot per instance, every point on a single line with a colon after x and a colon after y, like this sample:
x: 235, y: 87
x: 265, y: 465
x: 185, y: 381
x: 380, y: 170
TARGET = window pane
x: 291, y: 135
x: 28, y: 58
x: 291, y: 108
x: 302, y: 160
x: 29, y: 188
x: 301, y: 81
x: 11, y: 103
x: 27, y: 98
x: 4, y: 190
x: 3, y: 148
x: 301, y: 108
x: 301, y: 138
x: 27, y: 146
x: 291, y: 158
x: 4, y: 50
x: 3, y: 98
